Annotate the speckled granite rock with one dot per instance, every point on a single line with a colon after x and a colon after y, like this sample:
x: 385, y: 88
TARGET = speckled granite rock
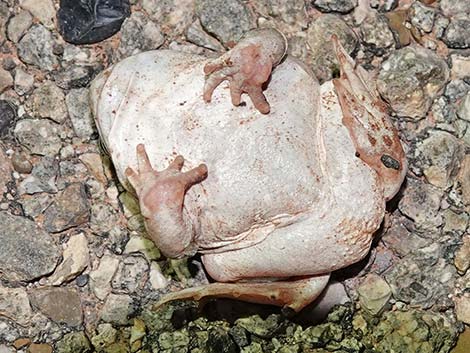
x: 27, y: 252
x: 319, y: 34
x: 411, y: 79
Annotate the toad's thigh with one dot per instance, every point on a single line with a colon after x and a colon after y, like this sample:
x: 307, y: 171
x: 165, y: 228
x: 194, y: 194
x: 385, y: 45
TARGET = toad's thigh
x: 319, y: 244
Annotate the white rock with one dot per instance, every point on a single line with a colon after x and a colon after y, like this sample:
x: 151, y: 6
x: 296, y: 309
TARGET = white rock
x: 42, y: 9
x: 14, y: 304
x: 157, y: 279
x: 76, y: 259
x: 6, y: 81
x: 23, y: 82
x: 100, y: 279
x: 462, y: 308
x: 18, y: 25
x: 144, y: 246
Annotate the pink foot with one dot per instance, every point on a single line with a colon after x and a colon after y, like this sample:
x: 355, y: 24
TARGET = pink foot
x: 247, y: 67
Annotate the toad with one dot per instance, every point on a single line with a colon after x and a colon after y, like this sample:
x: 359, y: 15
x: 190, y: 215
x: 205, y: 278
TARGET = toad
x: 275, y: 192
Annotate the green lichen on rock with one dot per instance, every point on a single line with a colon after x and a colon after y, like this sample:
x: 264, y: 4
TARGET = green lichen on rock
x: 75, y: 342
x: 180, y: 327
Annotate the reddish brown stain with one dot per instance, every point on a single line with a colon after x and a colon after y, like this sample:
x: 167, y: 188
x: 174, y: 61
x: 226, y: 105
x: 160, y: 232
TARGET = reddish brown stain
x: 388, y: 141
x: 372, y: 140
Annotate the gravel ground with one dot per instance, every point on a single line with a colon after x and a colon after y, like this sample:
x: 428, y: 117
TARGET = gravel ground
x: 77, y: 273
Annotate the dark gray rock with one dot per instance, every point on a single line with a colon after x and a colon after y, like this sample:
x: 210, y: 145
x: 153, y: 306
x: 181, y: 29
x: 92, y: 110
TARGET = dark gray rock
x: 410, y: 79
x: 457, y: 34
x: 61, y: 305
x: 227, y: 20
x: 36, y: 48
x: 91, y: 21
x: 27, y: 252
x: 7, y: 117
x: 342, y: 6
x: 319, y: 34
x: 70, y: 209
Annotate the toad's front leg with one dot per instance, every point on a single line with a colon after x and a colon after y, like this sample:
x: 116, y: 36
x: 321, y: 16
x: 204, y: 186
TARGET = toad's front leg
x: 161, y: 197
x: 247, y: 66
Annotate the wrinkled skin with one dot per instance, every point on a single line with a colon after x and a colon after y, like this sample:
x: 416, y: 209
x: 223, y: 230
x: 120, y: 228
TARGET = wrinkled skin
x: 276, y: 193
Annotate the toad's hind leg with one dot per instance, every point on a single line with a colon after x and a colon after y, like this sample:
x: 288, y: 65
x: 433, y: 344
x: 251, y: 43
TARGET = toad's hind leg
x: 294, y: 294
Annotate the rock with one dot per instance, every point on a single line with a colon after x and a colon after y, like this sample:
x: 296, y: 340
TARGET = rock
x: 457, y: 34
x: 176, y: 15
x: 460, y: 66
x: 462, y: 308
x: 74, y: 77
x: 402, y: 241
x: 291, y: 12
x: 421, y: 203
x: 156, y: 278
x: 219, y: 340
x: 34, y: 205
x: 6, y: 81
x: 42, y: 9
x: 23, y: 82
x: 75, y: 342
x: 27, y: 251
x: 48, y: 101
x: 463, y: 342
x: 131, y: 275
x: 18, y: 25
x: 106, y: 335
x: 143, y: 245
x: 103, y: 218
x: 439, y: 156
x: 376, y: 33
x: 456, y: 89
x: 410, y: 284
x: 196, y: 34
x: 100, y: 279
x: 7, y: 116
x: 139, y: 34
x: 40, y: 348
x: 75, y: 259
x: 6, y: 349
x: 319, y: 34
x: 462, y: 255
x: 62, y: 305
x: 454, y: 7
x: 14, y: 304
x: 410, y: 79
x: 341, y: 6
x: 40, y: 136
x: 463, y: 180
x: 94, y: 165
x: 21, y: 342
x: 227, y: 20
x: 70, y: 209
x: 422, y: 16
x: 36, y: 48
x: 91, y: 21
x: 117, y: 309
x: 374, y: 294
x: 6, y: 169
x: 42, y: 178
x: 463, y: 111
x: 455, y: 223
